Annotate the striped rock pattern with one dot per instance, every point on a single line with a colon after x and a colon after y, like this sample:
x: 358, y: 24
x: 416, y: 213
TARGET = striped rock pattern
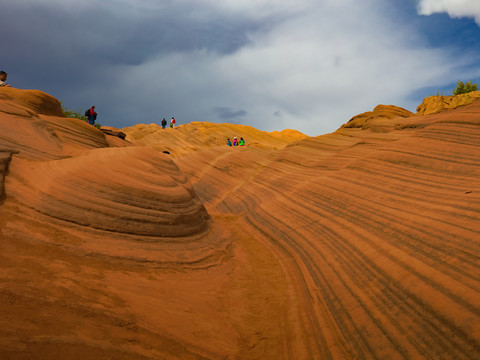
x: 378, y: 234
x: 360, y: 244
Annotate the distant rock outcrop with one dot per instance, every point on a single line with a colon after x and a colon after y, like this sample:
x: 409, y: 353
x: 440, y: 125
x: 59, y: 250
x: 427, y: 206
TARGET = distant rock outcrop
x: 435, y: 104
x: 194, y: 136
x: 378, y: 119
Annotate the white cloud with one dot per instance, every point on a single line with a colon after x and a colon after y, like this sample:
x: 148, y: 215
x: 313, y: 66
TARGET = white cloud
x: 272, y: 64
x: 454, y: 8
x: 318, y: 68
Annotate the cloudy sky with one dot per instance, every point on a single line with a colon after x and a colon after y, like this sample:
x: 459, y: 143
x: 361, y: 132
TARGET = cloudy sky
x: 272, y: 64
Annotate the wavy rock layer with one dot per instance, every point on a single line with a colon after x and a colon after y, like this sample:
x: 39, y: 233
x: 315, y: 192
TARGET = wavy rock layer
x: 378, y: 235
x: 363, y: 243
x: 148, y: 197
x: 96, y: 239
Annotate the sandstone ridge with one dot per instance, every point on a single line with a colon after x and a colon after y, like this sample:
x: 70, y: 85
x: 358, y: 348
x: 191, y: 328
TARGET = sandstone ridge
x: 196, y: 136
x: 435, y: 104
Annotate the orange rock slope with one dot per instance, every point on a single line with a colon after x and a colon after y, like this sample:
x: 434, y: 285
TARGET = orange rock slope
x: 361, y: 244
x: 196, y: 136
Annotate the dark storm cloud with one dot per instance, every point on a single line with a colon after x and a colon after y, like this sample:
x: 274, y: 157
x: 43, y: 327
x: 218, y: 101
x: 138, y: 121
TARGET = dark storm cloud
x: 117, y: 36
x: 58, y: 43
x: 75, y: 51
x: 308, y: 64
x: 228, y: 114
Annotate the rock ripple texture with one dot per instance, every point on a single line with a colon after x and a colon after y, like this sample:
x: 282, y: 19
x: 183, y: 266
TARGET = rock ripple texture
x: 378, y: 231
x: 148, y: 197
x: 360, y: 244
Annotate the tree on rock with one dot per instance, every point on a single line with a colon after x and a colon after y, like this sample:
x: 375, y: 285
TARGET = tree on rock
x: 463, y: 88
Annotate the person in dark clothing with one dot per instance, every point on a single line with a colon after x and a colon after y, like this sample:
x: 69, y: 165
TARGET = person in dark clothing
x: 3, y: 77
x: 164, y: 123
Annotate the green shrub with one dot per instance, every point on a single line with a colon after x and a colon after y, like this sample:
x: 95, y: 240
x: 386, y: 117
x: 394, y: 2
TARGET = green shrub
x: 98, y: 126
x: 463, y: 88
x: 72, y: 113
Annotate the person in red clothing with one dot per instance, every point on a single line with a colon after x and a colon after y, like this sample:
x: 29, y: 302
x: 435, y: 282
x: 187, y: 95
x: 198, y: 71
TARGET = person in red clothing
x: 92, y: 115
x: 172, y: 123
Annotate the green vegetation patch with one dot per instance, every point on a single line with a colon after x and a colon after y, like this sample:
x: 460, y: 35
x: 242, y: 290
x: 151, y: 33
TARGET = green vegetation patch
x: 464, y: 88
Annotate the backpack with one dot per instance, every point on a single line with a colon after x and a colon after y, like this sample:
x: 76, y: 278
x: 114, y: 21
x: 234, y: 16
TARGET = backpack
x: 87, y: 112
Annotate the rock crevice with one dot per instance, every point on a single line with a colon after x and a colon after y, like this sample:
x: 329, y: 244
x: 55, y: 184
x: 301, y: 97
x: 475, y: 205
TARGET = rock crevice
x: 5, y: 158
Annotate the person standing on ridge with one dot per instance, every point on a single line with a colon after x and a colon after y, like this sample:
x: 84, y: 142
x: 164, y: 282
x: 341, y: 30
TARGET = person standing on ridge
x: 3, y: 78
x: 164, y: 123
x: 172, y: 123
x: 91, y: 115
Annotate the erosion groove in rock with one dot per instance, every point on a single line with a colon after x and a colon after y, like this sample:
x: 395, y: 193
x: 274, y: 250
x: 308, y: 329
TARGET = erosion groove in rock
x: 5, y: 157
x: 360, y: 244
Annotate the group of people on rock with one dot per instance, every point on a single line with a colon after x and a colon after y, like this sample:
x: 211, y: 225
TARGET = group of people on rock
x: 91, y: 115
x: 172, y: 123
x: 236, y: 142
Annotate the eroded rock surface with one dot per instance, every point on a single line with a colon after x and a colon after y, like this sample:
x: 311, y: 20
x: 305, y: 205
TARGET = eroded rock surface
x: 380, y: 119
x: 377, y: 233
x: 363, y: 243
x: 435, y: 104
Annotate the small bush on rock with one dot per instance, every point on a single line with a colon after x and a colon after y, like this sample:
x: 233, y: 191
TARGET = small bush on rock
x: 72, y: 113
x: 464, y: 88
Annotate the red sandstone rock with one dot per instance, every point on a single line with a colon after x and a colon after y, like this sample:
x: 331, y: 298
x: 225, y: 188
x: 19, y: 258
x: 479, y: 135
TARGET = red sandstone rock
x: 380, y: 118
x: 196, y: 136
x: 363, y: 243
